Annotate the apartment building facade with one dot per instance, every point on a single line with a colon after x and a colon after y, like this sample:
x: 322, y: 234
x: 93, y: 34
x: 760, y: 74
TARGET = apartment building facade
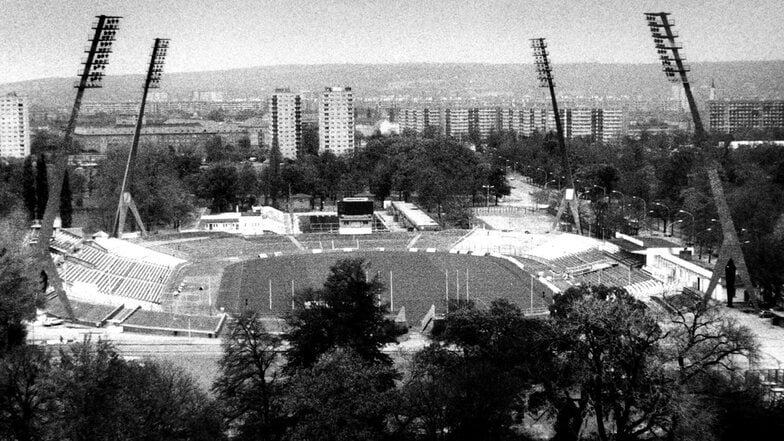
x: 336, y: 121
x: 286, y: 123
x: 14, y: 126
x: 727, y: 116
x: 596, y: 124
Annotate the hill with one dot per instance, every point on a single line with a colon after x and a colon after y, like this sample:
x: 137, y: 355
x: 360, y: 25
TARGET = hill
x: 733, y: 79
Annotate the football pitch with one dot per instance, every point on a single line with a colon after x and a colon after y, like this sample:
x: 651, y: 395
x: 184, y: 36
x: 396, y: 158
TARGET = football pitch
x: 414, y: 280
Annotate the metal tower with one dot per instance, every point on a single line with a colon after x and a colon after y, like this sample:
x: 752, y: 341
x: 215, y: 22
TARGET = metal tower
x: 545, y: 75
x: 90, y: 78
x: 730, y: 254
x: 152, y: 81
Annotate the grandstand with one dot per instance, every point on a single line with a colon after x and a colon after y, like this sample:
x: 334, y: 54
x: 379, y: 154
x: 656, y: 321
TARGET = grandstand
x: 112, y: 271
x: 412, y: 217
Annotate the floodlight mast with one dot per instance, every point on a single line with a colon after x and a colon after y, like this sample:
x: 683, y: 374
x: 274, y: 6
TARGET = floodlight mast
x: 154, y: 72
x: 665, y: 43
x: 731, y: 254
x: 545, y: 75
x: 90, y: 78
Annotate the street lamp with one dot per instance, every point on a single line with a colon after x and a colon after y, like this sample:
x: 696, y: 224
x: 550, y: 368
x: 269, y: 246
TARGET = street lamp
x: 551, y: 180
x: 546, y: 174
x: 659, y: 204
x: 644, y: 212
x: 604, y: 191
x: 672, y: 226
x: 692, y: 223
x: 623, y: 199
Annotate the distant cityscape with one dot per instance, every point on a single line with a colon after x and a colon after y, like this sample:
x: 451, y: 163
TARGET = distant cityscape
x: 337, y: 115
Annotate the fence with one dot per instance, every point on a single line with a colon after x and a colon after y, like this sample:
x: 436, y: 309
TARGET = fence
x: 504, y: 210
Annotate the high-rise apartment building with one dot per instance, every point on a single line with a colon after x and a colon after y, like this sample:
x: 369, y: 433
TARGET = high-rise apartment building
x: 730, y: 116
x: 484, y: 121
x: 613, y: 124
x: 419, y: 118
x: 534, y: 119
x: 286, y: 125
x: 456, y: 122
x: 336, y: 120
x: 14, y: 126
x: 594, y: 124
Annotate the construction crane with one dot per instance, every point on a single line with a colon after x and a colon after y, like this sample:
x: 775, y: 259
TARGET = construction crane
x: 730, y: 254
x: 152, y: 81
x: 91, y: 77
x: 545, y: 75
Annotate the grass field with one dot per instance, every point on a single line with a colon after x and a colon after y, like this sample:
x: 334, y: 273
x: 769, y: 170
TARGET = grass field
x: 418, y: 280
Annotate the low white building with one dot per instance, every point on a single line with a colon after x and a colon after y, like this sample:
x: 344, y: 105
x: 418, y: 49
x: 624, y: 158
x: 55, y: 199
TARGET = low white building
x: 262, y: 220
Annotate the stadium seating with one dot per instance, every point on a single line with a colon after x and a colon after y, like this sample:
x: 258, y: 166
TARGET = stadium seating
x: 64, y: 241
x: 115, y: 275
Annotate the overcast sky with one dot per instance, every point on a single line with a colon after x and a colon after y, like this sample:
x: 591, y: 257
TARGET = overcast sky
x: 45, y: 38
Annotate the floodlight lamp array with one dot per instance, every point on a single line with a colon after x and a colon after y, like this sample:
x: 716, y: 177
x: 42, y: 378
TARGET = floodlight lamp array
x: 664, y: 42
x: 98, y: 53
x: 158, y: 59
x: 543, y: 70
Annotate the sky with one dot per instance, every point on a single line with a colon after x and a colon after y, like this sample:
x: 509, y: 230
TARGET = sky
x: 45, y: 38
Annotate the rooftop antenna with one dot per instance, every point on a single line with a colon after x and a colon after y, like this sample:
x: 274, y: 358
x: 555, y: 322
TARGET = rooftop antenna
x: 545, y: 75
x: 152, y: 81
x: 730, y: 254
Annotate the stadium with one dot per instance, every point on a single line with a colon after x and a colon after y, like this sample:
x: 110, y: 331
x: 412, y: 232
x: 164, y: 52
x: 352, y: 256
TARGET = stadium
x: 193, y: 281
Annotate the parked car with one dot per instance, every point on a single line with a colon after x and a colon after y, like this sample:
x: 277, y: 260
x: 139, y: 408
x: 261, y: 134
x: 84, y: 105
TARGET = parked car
x: 53, y: 321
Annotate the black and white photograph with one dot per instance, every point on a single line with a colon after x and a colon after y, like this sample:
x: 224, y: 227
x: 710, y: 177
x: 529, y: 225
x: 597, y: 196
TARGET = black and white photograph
x: 391, y: 220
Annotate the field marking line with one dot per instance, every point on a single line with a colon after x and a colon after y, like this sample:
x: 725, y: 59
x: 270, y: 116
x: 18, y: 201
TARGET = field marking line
x: 296, y: 242
x: 413, y: 241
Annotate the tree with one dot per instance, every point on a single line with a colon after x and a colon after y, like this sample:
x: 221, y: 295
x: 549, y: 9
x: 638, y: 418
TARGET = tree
x: 499, y: 183
x: 310, y: 140
x: 244, y: 150
x: 609, y: 344
x: 218, y: 185
x: 79, y: 186
x: 247, y: 185
x: 248, y: 385
x: 707, y: 349
x: 345, y: 313
x: 159, y: 401
x: 218, y: 115
x: 44, y: 141
x: 101, y: 396
x: 18, y: 290
x: 66, y: 206
x: 159, y: 194
x: 28, y: 188
x: 473, y: 383
x: 41, y: 186
x: 24, y: 393
x: 217, y: 151
x: 343, y: 396
x: 87, y: 380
